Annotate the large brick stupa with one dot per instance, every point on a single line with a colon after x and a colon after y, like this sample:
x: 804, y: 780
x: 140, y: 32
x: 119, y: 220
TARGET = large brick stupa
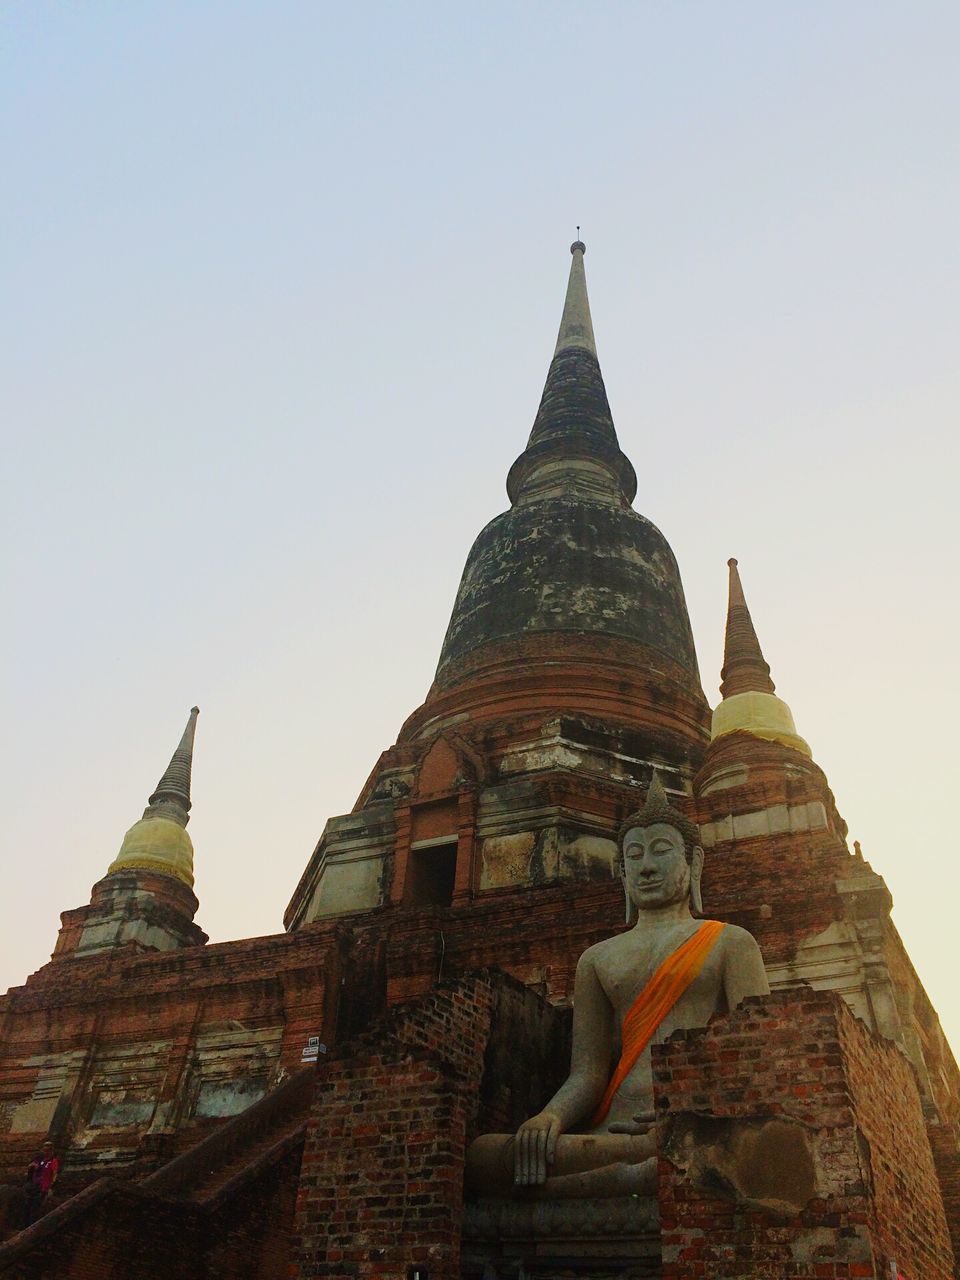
x: 300, y: 1105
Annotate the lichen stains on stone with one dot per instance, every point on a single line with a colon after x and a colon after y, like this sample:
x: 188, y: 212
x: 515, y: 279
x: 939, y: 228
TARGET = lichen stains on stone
x: 561, y: 565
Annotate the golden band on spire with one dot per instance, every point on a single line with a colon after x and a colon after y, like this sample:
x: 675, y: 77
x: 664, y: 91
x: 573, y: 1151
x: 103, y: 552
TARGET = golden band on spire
x: 159, y: 841
x: 749, y: 703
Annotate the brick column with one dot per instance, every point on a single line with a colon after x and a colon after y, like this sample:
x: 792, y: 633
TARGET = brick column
x: 466, y: 841
x: 794, y: 1143
x: 401, y: 853
x: 381, y: 1182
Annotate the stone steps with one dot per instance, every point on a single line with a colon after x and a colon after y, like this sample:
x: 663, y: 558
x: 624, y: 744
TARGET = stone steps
x: 239, y: 1149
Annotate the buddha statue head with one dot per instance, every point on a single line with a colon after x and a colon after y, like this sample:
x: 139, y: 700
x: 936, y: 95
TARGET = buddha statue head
x: 661, y: 860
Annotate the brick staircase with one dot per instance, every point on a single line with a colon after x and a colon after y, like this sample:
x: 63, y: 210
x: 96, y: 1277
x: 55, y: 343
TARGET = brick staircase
x: 239, y: 1150
x: 193, y: 1185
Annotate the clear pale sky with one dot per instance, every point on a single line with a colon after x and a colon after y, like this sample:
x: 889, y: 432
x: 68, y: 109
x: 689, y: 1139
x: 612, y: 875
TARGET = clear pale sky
x: 280, y: 285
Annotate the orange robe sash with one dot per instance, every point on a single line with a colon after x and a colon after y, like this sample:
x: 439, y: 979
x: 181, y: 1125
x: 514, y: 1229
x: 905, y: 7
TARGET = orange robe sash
x: 656, y: 1000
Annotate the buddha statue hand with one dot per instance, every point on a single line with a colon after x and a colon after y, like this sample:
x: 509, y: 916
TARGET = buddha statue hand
x: 641, y: 1123
x: 584, y: 1166
x: 535, y: 1148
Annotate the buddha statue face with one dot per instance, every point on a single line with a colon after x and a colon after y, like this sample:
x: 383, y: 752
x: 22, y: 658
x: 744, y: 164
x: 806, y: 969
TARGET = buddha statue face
x: 657, y: 872
x: 655, y: 867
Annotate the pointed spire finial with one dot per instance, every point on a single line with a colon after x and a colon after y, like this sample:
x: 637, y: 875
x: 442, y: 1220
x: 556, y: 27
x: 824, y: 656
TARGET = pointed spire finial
x: 576, y: 325
x: 744, y: 667
x: 172, y: 793
x: 573, y: 446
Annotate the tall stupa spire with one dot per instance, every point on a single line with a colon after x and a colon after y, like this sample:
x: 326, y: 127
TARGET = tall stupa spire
x: 569, y: 644
x: 573, y: 448
x: 749, y: 703
x: 744, y: 666
x: 173, y: 789
x: 158, y: 842
x: 571, y: 556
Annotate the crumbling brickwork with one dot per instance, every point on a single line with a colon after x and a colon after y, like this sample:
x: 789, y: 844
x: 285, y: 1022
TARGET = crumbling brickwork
x: 909, y: 1220
x: 382, y: 1177
x: 946, y: 1157
x: 223, y: 1211
x: 794, y: 1145
x: 381, y: 1186
x: 124, y: 1056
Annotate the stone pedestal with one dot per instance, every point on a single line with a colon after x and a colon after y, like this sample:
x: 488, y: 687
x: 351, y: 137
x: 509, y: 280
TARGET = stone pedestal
x: 153, y: 911
x: 613, y: 1239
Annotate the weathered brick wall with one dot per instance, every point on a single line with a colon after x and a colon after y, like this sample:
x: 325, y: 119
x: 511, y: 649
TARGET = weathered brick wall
x: 946, y: 1157
x: 128, y: 1234
x: 745, y: 783
x: 745, y: 884
x: 817, y: 912
x: 527, y: 1058
x: 536, y: 935
x: 120, y: 1240
x: 942, y: 1076
x: 381, y: 1185
x: 105, y: 1049
x: 778, y: 1160
x: 909, y: 1223
x: 248, y: 1237
x: 122, y: 1057
x: 335, y: 978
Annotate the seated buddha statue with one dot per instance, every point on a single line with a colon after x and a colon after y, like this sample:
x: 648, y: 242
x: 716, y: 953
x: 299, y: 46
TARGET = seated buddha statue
x: 670, y: 970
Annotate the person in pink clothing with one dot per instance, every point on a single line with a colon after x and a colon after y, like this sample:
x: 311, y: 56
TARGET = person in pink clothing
x: 41, y: 1175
